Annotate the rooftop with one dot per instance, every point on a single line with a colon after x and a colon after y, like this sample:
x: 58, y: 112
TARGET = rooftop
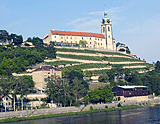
x: 46, y: 68
x: 131, y: 87
x: 85, y: 34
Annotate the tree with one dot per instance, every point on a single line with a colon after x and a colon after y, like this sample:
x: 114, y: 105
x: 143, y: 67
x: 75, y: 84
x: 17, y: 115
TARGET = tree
x: 102, y: 94
x: 17, y: 39
x: 157, y: 65
x: 82, y: 42
x: 5, y: 86
x: 111, y: 74
x: 119, y: 71
x: 88, y: 74
x: 78, y: 89
x: 103, y: 78
x: 21, y: 85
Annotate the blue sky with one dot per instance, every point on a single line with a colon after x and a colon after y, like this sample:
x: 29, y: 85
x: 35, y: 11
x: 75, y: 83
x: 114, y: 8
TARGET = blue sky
x: 136, y: 23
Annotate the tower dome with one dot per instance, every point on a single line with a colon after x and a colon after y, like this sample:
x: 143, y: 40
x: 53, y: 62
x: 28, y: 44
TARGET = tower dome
x: 105, y: 19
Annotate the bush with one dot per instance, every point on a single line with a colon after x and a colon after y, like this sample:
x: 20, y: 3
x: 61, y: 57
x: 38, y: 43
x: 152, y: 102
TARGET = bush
x: 29, y: 108
x: 91, y: 108
x: 106, y: 106
x: 44, y: 99
x: 119, y: 105
x: 76, y: 104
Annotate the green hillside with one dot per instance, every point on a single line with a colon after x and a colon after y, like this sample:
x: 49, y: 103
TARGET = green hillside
x: 97, y: 62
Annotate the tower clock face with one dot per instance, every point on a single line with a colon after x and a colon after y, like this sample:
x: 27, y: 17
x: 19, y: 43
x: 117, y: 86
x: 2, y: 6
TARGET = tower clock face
x: 108, y: 21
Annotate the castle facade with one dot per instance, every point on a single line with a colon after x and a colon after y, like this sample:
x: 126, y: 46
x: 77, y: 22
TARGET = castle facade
x: 104, y: 40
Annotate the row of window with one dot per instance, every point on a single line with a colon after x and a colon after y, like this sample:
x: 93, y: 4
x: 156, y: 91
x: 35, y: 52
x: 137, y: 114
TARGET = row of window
x: 49, y: 74
x: 82, y: 38
x: 96, y: 43
x: 7, y: 103
x: 106, y: 29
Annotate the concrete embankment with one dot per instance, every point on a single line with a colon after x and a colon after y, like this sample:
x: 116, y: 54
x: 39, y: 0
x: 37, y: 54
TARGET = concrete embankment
x: 36, y: 112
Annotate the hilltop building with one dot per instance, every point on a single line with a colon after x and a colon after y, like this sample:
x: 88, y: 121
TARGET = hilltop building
x: 104, y: 40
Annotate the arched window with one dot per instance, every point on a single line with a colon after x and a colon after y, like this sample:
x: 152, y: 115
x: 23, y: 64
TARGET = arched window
x: 103, y: 29
x: 108, y: 29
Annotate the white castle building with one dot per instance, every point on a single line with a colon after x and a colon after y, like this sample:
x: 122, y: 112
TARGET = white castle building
x: 104, y: 40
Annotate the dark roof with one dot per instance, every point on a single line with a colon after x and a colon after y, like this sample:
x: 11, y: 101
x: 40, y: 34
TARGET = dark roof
x: 46, y: 68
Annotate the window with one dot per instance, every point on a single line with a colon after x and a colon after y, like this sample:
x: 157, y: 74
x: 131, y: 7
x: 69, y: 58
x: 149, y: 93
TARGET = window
x: 6, y: 103
x: 90, y: 43
x: 75, y: 41
x: 103, y: 29
x: 52, y: 71
x: 101, y: 39
x: 54, y: 36
x: 67, y: 41
x: 95, y: 38
x: 45, y: 79
x: 71, y: 37
x: 71, y: 41
x: 9, y: 103
x: 45, y: 74
x: 109, y: 36
x: 57, y: 74
x: 82, y: 38
x: 101, y: 43
x: 55, y: 40
x: 61, y: 37
x: 108, y: 29
x: 6, y: 98
x: 61, y: 41
x: 98, y: 38
x: 67, y: 37
x: 90, y: 38
x: 98, y: 43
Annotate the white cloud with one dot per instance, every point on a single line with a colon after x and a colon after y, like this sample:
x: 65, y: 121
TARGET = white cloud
x: 143, y: 38
x: 96, y: 13
x: 85, y: 24
x: 92, y: 21
x: 76, y: 21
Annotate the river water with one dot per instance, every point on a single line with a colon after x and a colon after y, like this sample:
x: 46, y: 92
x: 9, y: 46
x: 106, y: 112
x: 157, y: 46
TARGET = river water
x: 146, y: 115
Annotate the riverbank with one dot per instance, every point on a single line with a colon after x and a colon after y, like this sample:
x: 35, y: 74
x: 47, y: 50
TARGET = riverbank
x: 16, y: 119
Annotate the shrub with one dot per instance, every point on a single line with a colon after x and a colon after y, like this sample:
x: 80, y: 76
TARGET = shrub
x: 106, y: 106
x: 91, y: 108
x: 76, y: 104
x: 119, y: 105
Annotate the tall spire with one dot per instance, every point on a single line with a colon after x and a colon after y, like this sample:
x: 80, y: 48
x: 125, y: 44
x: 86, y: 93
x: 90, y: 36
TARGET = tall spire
x: 105, y: 13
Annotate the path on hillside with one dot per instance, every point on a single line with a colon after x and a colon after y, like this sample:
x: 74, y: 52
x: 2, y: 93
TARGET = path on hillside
x: 92, y: 61
x: 92, y: 54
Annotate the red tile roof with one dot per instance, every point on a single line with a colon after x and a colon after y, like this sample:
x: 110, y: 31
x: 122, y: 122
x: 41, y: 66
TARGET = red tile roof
x: 113, y: 39
x: 77, y: 33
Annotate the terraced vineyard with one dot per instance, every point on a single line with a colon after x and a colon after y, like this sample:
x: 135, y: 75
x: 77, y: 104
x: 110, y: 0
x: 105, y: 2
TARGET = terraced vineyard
x: 98, y: 62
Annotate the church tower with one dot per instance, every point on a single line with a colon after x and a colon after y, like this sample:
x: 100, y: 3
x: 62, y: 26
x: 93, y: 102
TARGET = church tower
x: 106, y: 30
